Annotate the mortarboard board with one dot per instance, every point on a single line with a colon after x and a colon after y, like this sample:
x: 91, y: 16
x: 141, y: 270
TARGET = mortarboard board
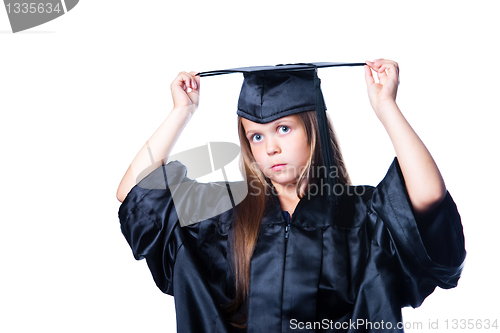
x: 272, y: 92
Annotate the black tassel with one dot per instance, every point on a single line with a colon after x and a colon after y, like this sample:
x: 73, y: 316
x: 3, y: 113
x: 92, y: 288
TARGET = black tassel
x: 326, y: 147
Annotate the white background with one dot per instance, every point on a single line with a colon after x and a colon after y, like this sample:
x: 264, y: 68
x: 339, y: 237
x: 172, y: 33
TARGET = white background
x: 80, y: 95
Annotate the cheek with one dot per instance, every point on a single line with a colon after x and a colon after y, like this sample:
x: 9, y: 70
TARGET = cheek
x: 302, y: 157
x: 302, y: 151
x: 258, y: 156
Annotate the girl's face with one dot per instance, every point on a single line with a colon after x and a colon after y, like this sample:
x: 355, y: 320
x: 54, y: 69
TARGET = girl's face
x: 280, y: 148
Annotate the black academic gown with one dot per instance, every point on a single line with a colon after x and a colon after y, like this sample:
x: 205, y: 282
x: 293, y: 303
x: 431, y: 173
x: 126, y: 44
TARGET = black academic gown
x: 346, y: 271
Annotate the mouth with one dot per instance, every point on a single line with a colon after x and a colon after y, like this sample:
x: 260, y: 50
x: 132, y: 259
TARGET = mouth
x: 278, y: 167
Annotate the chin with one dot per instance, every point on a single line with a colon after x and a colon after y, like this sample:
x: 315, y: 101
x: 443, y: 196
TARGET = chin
x: 285, y: 181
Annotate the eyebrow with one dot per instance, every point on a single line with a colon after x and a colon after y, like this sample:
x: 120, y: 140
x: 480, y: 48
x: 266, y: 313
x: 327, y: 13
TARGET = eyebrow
x: 250, y: 133
x: 275, y: 123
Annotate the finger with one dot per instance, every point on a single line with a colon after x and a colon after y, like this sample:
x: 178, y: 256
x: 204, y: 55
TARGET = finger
x: 379, y: 62
x: 368, y: 75
x: 371, y: 64
x: 375, y: 64
x: 184, y: 81
x: 190, y: 82
x: 194, y: 96
x: 180, y: 80
x: 392, y: 70
x: 396, y: 67
x: 386, y: 69
x: 389, y: 62
x: 382, y: 75
x: 382, y: 62
x: 196, y: 79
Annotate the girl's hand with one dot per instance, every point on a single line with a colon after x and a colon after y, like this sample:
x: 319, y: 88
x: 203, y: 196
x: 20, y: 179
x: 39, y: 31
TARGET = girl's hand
x: 186, y: 90
x: 384, y: 92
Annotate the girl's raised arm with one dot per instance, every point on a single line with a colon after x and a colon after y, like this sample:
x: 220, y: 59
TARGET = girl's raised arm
x: 185, y: 94
x: 424, y: 183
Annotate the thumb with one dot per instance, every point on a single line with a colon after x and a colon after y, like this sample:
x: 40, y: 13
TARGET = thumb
x: 368, y: 76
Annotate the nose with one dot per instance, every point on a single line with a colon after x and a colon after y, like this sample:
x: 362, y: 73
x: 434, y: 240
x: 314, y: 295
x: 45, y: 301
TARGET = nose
x: 272, y: 146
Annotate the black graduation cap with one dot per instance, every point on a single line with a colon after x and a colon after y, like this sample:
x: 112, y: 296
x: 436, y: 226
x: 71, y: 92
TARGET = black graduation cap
x: 272, y: 92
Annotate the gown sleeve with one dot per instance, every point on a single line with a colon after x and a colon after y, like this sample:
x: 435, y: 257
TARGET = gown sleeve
x: 430, y: 249
x: 156, y: 210
x: 149, y: 221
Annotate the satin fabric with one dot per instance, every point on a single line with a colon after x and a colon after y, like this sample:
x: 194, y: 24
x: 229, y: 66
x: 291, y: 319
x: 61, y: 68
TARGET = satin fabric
x: 362, y: 262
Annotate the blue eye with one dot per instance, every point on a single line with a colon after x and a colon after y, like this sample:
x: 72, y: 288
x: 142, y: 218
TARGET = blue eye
x: 257, y: 138
x: 283, y: 129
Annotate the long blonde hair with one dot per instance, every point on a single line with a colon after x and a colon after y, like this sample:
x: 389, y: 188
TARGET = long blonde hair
x: 250, y: 211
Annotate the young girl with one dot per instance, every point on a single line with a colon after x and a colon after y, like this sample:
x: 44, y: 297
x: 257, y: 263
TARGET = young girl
x: 287, y: 257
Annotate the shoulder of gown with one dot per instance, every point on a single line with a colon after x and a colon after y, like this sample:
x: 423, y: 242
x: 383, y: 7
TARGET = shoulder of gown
x: 430, y: 249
